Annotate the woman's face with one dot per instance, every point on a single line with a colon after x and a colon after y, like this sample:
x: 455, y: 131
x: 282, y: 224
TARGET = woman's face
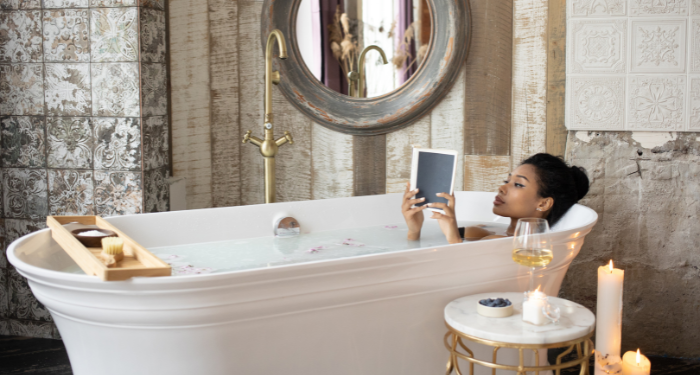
x: 518, y: 198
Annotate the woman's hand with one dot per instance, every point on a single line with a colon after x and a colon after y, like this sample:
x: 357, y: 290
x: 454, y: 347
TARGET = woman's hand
x: 448, y: 220
x: 413, y: 216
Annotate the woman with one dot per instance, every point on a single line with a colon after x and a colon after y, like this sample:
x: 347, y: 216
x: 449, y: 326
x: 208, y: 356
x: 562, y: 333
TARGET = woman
x: 543, y: 186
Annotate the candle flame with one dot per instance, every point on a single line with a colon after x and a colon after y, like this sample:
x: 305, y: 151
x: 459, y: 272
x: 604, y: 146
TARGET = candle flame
x: 538, y: 288
x: 639, y: 358
x: 611, y: 265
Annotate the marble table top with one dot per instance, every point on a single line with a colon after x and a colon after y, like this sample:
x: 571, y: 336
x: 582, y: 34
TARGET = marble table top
x: 576, y: 321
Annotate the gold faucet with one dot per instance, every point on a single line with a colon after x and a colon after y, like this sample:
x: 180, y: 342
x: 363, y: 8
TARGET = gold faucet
x: 269, y: 146
x: 354, y: 77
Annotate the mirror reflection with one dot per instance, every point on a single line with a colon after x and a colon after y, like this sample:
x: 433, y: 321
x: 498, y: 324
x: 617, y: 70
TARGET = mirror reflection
x: 388, y: 38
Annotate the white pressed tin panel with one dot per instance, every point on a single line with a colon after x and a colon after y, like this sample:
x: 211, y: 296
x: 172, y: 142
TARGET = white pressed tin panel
x: 629, y: 65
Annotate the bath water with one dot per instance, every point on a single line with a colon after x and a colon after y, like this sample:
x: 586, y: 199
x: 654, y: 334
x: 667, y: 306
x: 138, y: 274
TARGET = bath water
x: 267, y: 252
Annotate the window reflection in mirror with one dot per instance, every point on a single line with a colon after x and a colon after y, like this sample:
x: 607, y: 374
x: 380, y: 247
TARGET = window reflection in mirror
x: 331, y: 35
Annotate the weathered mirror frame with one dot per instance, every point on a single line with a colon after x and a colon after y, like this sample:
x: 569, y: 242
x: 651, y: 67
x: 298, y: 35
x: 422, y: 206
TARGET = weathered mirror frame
x: 448, y: 49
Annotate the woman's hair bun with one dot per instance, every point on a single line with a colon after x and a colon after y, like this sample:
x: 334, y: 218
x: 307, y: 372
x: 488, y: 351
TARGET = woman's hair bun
x: 580, y: 180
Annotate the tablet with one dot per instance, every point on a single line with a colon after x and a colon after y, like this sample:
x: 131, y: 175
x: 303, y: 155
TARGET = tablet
x: 433, y: 171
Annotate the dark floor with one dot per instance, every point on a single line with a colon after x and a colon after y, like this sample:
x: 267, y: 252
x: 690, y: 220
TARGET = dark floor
x: 23, y: 355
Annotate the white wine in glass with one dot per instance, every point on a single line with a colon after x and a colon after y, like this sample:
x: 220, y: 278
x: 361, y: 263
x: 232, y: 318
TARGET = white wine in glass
x: 532, y: 245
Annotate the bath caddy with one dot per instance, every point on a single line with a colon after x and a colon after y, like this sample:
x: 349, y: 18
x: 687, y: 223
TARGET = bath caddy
x: 137, y: 260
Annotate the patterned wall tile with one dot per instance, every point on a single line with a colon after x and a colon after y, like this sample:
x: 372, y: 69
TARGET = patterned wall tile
x: 66, y: 3
x: 24, y: 193
x: 153, y: 42
x: 70, y: 192
x: 656, y: 102
x: 155, y: 139
x: 695, y: 46
x: 656, y: 7
x: 157, y: 190
x: 67, y: 35
x: 114, y: 34
x: 22, y: 89
x: 4, y: 293
x: 595, y: 102
x: 115, y: 89
x: 154, y: 90
x: 658, y: 46
x: 597, y: 46
x: 20, y: 36
x: 23, y: 304
x: 20, y: 4
x: 117, y: 143
x: 15, y: 228
x: 23, y: 142
x: 113, y: 3
x: 4, y: 327
x: 3, y: 245
x: 70, y: 142
x: 597, y: 8
x: 694, y: 104
x: 67, y: 89
x: 118, y: 193
x: 29, y: 328
x: 695, y: 9
x: 156, y: 4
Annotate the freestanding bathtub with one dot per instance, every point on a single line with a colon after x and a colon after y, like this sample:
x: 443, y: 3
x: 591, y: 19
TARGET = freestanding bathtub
x: 368, y: 314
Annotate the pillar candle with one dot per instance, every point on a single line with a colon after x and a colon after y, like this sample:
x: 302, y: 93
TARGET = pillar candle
x: 635, y: 364
x: 532, y: 308
x: 609, y: 312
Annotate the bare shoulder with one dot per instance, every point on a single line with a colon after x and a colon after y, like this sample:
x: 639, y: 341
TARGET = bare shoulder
x: 476, y: 233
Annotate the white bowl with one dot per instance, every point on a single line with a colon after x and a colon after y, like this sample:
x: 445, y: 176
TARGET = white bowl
x: 494, y: 312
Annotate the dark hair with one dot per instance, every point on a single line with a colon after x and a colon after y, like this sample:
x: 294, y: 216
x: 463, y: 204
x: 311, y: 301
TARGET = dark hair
x: 566, y: 185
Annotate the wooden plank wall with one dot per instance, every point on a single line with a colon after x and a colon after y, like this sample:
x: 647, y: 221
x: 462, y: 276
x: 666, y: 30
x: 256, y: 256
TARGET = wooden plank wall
x: 495, y: 114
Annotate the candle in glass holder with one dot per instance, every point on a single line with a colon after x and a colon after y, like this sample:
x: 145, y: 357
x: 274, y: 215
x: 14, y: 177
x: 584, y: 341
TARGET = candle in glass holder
x: 532, y: 308
x: 635, y: 364
x: 609, y: 312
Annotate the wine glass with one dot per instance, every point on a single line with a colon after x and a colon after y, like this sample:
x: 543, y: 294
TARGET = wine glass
x: 532, y: 245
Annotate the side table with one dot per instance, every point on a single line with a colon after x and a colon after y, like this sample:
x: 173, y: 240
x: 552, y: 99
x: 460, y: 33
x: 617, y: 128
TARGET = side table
x: 573, y: 331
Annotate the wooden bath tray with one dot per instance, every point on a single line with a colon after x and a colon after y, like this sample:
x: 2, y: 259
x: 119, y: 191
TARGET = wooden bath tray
x: 137, y: 260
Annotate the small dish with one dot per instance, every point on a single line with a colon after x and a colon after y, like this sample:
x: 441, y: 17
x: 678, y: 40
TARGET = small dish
x: 494, y: 312
x: 92, y: 241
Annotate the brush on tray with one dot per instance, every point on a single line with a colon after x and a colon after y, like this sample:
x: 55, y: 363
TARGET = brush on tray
x: 112, y: 250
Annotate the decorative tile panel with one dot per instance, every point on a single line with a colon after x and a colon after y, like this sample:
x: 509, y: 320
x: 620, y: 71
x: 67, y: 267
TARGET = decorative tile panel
x: 24, y: 193
x: 155, y: 139
x: 695, y: 7
x: 155, y: 4
x: 70, y: 142
x: 67, y: 89
x: 66, y: 3
x: 597, y: 8
x: 71, y: 192
x: 597, y: 46
x: 15, y: 229
x: 67, y: 35
x: 3, y: 246
x: 22, y: 89
x: 656, y: 103
x: 114, y: 34
x: 658, y: 46
x: 20, y: 36
x: 118, y: 193
x: 115, y: 89
x: 23, y: 142
x: 695, y: 46
x: 595, y: 102
x: 694, y: 104
x: 154, y: 90
x: 30, y: 328
x: 4, y: 292
x: 113, y: 3
x: 23, y: 304
x: 117, y: 143
x: 20, y: 4
x: 156, y: 189
x: 153, y: 42
x: 659, y: 7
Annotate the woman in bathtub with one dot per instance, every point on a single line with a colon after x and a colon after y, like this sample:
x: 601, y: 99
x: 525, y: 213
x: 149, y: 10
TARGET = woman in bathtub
x: 543, y: 186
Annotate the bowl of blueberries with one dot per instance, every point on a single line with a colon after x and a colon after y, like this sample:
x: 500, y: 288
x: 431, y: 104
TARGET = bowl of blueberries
x: 495, y: 307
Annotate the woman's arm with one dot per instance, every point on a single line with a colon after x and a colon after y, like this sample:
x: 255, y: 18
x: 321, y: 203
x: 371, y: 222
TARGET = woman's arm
x: 448, y: 219
x: 413, y: 216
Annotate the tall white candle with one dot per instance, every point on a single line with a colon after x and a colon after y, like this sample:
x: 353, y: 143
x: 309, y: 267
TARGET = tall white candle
x: 609, y: 312
x: 635, y: 364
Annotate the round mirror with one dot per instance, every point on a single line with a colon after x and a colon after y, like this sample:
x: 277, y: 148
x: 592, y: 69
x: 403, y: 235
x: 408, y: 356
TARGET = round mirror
x: 363, y: 48
x: 431, y: 37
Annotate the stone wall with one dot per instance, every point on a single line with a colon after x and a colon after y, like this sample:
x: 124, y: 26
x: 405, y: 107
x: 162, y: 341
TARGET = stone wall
x: 645, y: 190
x: 83, y: 124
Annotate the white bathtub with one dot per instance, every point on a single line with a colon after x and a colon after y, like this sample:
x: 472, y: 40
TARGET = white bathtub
x: 375, y: 314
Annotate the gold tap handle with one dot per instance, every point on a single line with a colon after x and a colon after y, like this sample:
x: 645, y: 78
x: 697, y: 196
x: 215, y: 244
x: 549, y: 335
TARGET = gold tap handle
x: 253, y: 139
x: 276, y: 77
x: 286, y: 139
x: 246, y: 137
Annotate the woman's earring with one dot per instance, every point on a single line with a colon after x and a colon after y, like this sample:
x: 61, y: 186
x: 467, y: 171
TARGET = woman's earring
x: 539, y: 209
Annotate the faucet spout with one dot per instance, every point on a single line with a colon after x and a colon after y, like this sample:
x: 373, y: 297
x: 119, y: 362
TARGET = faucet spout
x: 361, y: 67
x: 272, y: 77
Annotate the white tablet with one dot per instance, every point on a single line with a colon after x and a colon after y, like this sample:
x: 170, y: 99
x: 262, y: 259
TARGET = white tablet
x: 433, y: 171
